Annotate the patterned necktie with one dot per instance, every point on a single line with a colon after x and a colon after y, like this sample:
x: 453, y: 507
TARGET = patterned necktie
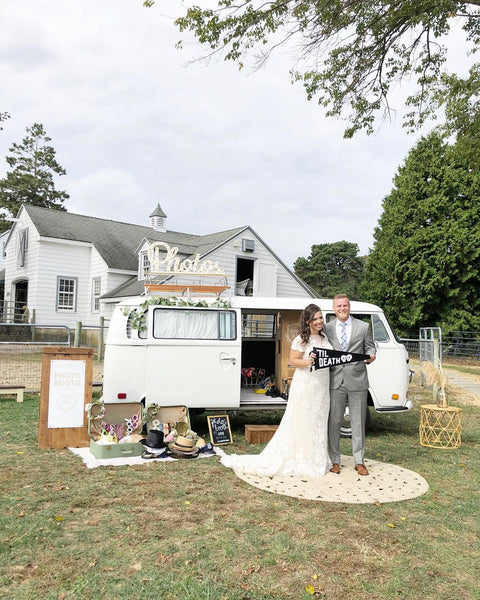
x: 343, y: 337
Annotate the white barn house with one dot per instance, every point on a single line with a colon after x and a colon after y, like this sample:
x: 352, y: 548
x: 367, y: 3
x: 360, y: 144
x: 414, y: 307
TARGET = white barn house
x: 65, y: 268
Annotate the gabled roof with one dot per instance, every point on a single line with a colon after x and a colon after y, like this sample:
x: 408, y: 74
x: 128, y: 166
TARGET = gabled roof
x: 131, y: 287
x: 117, y: 242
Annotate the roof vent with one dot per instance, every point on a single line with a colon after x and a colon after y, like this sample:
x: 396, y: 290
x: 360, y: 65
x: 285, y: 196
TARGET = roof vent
x: 248, y: 245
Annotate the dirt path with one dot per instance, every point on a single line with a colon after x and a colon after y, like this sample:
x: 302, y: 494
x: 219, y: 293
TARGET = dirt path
x: 465, y: 386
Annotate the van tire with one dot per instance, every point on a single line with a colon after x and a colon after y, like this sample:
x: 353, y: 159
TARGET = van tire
x: 346, y: 429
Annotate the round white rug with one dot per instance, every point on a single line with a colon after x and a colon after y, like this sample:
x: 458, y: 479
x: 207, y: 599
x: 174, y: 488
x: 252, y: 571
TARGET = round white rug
x: 385, y: 483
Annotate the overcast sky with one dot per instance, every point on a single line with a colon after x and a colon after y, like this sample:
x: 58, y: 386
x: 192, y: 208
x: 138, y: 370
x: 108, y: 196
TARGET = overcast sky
x: 134, y: 123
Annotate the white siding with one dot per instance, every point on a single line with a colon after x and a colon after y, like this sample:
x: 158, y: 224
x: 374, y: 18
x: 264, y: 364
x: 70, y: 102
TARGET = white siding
x: 63, y: 260
x: 29, y: 271
x: 46, y: 260
x: 286, y: 284
x: 3, y: 239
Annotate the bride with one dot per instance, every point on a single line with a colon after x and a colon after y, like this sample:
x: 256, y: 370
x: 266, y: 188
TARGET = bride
x: 299, y: 446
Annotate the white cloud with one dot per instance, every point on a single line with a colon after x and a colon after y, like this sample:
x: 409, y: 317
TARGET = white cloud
x: 218, y: 148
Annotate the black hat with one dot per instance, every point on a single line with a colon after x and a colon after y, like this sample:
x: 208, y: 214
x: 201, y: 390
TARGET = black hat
x: 154, y: 439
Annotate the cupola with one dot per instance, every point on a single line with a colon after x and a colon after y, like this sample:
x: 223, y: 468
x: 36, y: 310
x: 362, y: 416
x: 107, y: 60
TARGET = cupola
x: 158, y: 219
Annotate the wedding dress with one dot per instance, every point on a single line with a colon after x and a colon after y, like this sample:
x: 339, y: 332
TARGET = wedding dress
x: 299, y: 446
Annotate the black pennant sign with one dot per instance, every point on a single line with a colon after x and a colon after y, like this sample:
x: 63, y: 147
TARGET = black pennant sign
x: 334, y: 358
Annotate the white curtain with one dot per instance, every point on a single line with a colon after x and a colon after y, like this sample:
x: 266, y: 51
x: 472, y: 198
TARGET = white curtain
x: 194, y: 324
x: 185, y: 324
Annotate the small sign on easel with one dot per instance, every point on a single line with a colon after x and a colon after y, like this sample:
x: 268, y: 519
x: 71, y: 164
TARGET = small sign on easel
x: 65, y: 390
x: 219, y: 428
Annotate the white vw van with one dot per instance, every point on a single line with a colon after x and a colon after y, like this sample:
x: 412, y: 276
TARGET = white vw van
x: 208, y: 353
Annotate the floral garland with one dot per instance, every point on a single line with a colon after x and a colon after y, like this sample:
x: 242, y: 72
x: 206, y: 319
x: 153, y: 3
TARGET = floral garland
x: 137, y: 316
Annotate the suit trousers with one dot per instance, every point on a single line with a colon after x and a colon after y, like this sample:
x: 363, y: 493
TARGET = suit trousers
x: 357, y: 405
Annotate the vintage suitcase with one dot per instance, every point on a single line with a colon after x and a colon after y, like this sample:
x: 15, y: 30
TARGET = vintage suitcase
x: 108, y: 424
x: 168, y: 418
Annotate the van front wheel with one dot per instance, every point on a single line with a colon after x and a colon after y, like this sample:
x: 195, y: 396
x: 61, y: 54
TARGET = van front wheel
x: 346, y: 428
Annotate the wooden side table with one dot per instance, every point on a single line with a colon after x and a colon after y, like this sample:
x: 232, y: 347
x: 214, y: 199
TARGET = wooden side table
x: 440, y: 426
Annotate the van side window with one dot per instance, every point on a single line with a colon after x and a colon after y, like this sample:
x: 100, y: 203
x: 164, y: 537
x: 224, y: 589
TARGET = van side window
x: 195, y: 324
x: 380, y: 333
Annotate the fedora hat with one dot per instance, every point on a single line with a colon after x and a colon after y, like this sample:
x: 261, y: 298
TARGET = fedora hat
x: 154, y: 440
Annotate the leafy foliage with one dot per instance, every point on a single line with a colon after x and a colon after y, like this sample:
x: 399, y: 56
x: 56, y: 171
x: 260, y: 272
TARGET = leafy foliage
x: 332, y: 269
x: 351, y: 53
x: 137, y: 316
x: 424, y: 269
x: 3, y: 117
x: 30, y: 181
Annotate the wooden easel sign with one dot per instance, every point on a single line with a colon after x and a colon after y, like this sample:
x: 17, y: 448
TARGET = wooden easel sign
x: 219, y: 428
x: 66, y: 388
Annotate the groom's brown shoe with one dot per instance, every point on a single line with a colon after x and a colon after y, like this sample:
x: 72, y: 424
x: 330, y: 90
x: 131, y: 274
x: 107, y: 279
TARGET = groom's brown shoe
x: 361, y: 469
x: 335, y: 468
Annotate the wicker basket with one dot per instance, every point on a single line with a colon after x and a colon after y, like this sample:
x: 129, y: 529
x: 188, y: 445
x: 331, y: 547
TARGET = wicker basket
x: 440, y: 426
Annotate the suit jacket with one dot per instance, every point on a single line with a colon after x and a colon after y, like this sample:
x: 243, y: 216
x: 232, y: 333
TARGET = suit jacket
x: 354, y: 375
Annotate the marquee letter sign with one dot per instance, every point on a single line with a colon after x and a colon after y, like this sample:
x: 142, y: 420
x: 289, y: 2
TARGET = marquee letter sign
x: 164, y: 261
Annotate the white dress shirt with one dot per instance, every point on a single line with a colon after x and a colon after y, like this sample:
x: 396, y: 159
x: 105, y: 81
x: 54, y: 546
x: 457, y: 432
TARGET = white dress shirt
x: 348, y: 329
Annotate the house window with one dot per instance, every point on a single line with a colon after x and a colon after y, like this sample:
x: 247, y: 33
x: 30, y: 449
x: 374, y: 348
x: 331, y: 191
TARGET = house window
x: 22, y: 245
x: 96, y: 284
x: 145, y: 265
x: 66, y: 293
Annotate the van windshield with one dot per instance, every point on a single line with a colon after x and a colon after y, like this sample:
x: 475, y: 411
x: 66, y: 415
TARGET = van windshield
x: 194, y: 324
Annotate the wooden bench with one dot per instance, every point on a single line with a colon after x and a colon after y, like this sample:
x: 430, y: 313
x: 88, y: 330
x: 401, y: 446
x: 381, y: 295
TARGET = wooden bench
x: 13, y: 390
x: 259, y: 434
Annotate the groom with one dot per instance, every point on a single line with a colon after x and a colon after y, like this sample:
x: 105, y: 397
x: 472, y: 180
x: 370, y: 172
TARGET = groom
x: 348, y: 383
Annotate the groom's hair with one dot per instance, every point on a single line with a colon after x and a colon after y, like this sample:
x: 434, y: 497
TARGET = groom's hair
x: 341, y: 297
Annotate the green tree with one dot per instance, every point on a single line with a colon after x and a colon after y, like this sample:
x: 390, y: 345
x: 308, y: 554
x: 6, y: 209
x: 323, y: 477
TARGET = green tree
x: 3, y: 117
x: 332, y: 269
x: 349, y: 54
x: 30, y: 181
x: 424, y: 269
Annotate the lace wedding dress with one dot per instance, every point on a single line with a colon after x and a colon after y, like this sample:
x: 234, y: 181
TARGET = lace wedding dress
x: 299, y: 446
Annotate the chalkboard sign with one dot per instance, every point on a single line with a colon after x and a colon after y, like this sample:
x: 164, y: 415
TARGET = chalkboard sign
x: 220, y: 432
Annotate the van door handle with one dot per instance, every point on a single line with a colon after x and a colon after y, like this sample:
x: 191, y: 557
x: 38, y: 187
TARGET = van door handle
x: 232, y: 359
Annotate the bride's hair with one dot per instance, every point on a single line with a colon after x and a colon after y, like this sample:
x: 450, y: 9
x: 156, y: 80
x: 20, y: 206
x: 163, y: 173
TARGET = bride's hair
x: 305, y: 318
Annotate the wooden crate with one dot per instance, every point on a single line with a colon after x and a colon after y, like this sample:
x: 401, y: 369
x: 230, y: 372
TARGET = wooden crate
x: 259, y: 434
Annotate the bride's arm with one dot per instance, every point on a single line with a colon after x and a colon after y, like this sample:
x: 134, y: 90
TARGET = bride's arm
x: 296, y: 359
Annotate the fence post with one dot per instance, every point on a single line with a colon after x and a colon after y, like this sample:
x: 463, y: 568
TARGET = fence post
x: 78, y: 335
x: 100, y: 339
x: 436, y: 363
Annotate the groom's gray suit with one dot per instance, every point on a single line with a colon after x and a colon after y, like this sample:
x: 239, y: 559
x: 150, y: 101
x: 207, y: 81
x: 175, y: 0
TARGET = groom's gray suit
x: 349, y: 383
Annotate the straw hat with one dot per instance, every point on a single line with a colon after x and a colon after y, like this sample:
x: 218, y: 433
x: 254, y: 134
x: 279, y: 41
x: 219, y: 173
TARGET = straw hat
x: 183, y: 447
x: 181, y: 428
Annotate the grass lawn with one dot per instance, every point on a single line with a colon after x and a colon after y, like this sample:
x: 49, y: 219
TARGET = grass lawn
x: 191, y: 530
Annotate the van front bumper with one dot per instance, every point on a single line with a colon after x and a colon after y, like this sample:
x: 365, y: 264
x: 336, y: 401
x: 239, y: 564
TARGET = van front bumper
x: 394, y: 409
